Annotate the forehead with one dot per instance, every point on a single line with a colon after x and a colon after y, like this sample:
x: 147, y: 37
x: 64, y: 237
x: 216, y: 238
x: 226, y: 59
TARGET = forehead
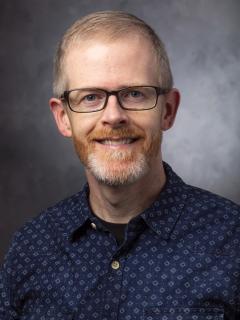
x: 101, y: 63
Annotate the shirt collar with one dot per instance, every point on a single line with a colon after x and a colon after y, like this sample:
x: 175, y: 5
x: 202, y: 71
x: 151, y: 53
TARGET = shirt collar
x: 71, y: 214
x: 161, y: 216
x: 164, y: 213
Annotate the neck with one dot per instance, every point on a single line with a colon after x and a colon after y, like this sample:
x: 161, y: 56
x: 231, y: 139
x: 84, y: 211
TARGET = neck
x: 121, y: 204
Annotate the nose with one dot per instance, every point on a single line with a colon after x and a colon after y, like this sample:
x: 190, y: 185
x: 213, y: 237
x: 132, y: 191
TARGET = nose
x: 113, y: 114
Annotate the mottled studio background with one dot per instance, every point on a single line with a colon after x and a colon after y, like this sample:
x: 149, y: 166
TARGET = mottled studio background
x: 38, y: 167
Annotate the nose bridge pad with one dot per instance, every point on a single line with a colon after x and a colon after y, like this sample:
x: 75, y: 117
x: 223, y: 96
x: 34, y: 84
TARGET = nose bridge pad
x: 116, y: 94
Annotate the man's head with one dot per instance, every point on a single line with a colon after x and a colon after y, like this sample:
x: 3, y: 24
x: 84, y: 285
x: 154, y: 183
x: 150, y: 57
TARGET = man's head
x: 102, y: 55
x: 108, y: 26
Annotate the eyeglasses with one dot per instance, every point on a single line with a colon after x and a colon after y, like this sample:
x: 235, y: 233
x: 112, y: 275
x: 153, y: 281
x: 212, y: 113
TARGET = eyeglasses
x: 135, y: 98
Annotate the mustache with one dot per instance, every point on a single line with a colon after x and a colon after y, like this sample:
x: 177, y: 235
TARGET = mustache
x: 117, y: 133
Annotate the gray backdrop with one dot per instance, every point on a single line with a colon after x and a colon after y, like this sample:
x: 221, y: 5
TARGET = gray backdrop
x: 39, y: 167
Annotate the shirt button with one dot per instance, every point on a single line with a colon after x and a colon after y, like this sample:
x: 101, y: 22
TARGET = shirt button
x: 115, y: 265
x: 93, y: 226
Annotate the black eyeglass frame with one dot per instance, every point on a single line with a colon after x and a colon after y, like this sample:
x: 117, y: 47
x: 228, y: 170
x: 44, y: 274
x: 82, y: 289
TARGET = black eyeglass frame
x: 159, y: 91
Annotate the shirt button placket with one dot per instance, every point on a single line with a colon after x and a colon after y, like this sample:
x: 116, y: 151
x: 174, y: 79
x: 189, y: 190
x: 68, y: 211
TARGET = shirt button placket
x: 113, y: 290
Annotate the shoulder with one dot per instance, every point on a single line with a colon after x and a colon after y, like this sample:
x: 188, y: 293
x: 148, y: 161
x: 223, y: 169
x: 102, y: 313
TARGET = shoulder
x: 213, y: 222
x: 197, y: 199
x: 206, y: 200
x: 41, y: 234
x: 38, y: 241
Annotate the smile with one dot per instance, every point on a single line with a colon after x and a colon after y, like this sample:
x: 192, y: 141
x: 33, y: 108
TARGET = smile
x: 117, y: 142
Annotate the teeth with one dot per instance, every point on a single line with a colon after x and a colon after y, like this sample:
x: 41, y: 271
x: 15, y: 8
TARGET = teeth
x: 117, y: 142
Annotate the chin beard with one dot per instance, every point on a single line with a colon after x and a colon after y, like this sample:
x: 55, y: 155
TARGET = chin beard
x: 114, y: 167
x: 117, y: 172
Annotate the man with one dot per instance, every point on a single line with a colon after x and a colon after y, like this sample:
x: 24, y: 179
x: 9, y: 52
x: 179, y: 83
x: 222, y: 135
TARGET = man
x: 136, y: 242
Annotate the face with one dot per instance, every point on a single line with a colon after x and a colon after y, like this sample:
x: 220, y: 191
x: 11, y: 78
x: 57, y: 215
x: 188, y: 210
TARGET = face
x: 116, y: 146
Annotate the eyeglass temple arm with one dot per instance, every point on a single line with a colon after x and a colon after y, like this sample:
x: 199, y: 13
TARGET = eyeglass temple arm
x: 161, y: 91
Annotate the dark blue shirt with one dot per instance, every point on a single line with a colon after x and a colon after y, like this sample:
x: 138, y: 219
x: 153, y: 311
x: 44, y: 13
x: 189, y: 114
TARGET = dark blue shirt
x: 180, y: 260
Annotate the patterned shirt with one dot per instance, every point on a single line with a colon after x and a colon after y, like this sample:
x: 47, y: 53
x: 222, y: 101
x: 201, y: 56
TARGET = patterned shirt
x: 179, y: 260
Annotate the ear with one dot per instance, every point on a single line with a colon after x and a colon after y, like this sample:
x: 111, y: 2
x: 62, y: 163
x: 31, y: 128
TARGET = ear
x: 61, y: 117
x: 170, y: 107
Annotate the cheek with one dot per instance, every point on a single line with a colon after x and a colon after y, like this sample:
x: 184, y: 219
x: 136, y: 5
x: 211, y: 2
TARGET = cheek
x: 151, y: 124
x: 82, y: 125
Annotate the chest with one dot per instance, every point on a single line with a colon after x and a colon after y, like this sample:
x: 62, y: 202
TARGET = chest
x: 146, y: 278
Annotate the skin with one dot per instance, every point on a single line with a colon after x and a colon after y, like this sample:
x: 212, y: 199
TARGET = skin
x: 111, y: 66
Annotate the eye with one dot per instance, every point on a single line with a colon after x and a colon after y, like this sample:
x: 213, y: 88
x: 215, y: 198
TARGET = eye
x: 91, y: 97
x: 135, y: 94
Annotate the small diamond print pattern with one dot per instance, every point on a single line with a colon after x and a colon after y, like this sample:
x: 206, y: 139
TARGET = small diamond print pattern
x: 179, y: 261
